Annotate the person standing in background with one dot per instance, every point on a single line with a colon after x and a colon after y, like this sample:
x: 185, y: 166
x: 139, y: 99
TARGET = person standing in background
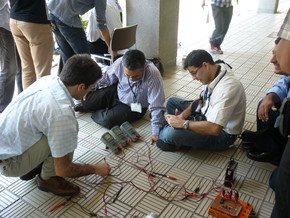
x: 96, y: 43
x: 32, y: 33
x: 68, y: 28
x: 8, y: 59
x: 222, y: 11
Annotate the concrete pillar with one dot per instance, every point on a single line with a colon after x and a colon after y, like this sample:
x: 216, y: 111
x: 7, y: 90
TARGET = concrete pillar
x: 157, y: 27
x: 267, y: 6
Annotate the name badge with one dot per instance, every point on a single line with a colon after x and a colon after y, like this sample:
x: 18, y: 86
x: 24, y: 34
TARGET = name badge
x: 136, y: 107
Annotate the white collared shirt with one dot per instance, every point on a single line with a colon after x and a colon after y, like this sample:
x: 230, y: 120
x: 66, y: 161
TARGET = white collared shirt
x: 44, y: 108
x: 226, y: 105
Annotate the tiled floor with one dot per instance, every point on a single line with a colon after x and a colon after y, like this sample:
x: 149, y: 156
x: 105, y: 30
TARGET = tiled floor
x: 247, y: 48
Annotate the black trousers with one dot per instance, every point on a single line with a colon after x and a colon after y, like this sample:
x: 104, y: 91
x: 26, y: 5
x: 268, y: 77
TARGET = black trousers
x: 108, y: 111
x: 98, y: 47
x: 269, y: 139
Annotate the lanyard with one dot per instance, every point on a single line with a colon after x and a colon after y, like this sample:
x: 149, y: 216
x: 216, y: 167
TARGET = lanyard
x: 206, y: 95
x: 131, y: 88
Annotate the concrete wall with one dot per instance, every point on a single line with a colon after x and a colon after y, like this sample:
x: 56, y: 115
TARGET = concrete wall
x: 157, y: 27
x: 267, y: 6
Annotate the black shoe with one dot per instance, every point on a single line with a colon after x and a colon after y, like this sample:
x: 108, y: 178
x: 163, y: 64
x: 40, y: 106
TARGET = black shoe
x: 80, y: 108
x: 249, y: 136
x: 248, y: 145
x: 32, y: 173
x: 263, y: 156
x: 164, y: 146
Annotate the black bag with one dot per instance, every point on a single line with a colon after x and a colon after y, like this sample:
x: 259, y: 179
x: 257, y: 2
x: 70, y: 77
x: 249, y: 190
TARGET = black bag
x: 283, y: 121
x: 157, y: 62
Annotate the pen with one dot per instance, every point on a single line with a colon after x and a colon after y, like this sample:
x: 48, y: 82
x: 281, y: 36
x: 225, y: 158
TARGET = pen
x: 176, y: 112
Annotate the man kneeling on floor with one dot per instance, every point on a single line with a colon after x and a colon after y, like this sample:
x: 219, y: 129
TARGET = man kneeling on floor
x: 39, y: 129
x: 211, y: 122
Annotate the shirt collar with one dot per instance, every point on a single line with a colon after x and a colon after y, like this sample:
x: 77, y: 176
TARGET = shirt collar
x: 66, y: 91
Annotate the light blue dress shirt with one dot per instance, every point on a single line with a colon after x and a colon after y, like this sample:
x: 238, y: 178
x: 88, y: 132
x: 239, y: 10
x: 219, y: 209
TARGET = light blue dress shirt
x: 148, y: 91
x: 281, y: 88
x: 44, y: 108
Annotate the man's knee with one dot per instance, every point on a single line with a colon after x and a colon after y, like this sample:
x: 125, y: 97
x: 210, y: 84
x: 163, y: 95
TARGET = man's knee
x: 168, y: 134
x: 103, y: 120
x: 172, y: 104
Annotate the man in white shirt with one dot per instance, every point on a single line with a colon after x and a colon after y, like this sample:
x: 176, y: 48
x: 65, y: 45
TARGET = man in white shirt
x: 39, y: 129
x: 96, y: 43
x: 211, y: 122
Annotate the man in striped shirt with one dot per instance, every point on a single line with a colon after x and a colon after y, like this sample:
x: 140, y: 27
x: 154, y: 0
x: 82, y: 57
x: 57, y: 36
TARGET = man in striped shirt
x: 129, y: 86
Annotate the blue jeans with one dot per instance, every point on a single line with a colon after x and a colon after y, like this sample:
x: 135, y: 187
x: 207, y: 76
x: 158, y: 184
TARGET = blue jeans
x: 8, y: 68
x: 182, y: 137
x: 69, y: 39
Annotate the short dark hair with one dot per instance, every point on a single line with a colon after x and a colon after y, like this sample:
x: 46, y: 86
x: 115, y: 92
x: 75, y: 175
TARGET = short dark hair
x: 80, y: 68
x: 196, y: 58
x: 134, y: 59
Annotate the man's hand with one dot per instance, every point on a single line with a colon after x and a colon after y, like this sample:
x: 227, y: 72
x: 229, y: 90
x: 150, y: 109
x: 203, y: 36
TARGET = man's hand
x: 115, y: 53
x: 102, y: 169
x: 154, y: 138
x: 175, y: 121
x: 267, y: 104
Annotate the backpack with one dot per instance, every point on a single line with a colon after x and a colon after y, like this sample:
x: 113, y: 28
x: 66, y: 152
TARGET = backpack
x: 158, y: 63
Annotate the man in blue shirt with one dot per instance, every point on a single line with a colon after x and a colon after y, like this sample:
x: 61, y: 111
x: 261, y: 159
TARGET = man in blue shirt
x: 267, y: 144
x: 39, y: 129
x: 281, y: 176
x: 129, y: 86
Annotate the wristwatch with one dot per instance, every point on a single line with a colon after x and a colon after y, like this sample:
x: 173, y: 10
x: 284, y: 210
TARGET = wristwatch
x: 186, y: 124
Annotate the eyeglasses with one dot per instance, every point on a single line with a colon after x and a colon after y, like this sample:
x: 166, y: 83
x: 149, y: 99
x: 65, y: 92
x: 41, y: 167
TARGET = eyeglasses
x: 194, y: 72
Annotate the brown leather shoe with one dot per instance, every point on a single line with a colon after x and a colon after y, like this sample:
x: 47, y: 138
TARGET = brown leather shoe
x: 32, y: 173
x: 58, y: 186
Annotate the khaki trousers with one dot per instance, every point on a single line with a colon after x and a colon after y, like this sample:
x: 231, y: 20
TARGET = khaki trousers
x: 30, y: 159
x: 35, y: 46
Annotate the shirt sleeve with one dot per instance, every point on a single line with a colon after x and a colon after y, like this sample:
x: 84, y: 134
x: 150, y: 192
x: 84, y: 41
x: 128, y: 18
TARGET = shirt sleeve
x: 156, y: 98
x: 281, y: 87
x: 62, y: 135
x: 100, y: 7
x: 109, y: 77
